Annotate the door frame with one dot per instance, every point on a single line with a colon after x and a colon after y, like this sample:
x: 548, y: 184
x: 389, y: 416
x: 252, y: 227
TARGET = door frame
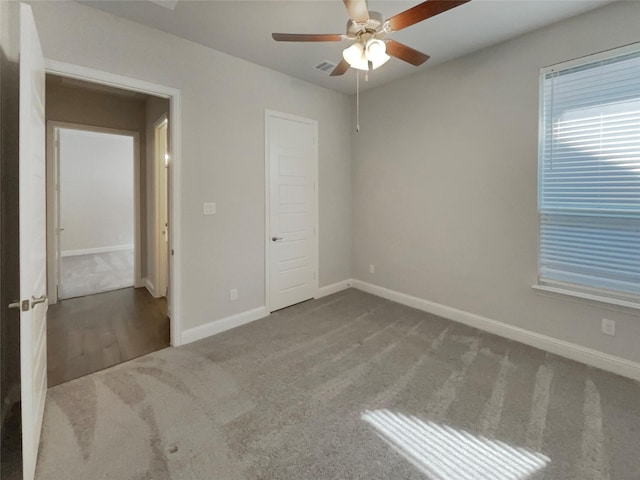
x: 53, y: 200
x: 160, y: 196
x: 174, y: 96
x: 268, y: 115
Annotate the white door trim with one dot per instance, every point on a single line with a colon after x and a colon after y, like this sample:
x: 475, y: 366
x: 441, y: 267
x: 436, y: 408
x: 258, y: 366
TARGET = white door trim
x: 175, y: 203
x: 53, y: 200
x: 268, y: 114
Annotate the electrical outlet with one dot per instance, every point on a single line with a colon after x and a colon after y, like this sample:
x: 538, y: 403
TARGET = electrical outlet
x: 608, y: 327
x: 372, y: 269
x: 233, y: 294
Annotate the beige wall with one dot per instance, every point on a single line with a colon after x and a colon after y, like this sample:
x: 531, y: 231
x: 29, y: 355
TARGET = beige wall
x: 223, y: 100
x: 445, y: 178
x: 68, y: 102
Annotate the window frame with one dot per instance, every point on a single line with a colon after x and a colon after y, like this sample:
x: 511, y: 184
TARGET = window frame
x: 586, y: 292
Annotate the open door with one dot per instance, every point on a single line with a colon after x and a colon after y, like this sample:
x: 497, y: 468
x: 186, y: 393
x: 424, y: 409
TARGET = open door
x: 161, y: 206
x: 32, y: 210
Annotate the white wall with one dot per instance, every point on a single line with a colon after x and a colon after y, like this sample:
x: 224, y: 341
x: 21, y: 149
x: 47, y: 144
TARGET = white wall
x: 445, y: 175
x: 223, y: 100
x: 96, y: 191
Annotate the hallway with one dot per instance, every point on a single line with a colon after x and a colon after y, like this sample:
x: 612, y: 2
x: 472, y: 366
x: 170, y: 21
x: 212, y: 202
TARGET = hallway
x: 90, y: 333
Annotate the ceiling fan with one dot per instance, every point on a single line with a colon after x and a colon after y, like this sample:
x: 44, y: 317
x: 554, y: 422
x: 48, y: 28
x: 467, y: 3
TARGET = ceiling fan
x: 368, y: 30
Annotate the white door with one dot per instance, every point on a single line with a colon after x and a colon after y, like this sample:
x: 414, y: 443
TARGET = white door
x: 162, y: 213
x: 32, y: 210
x: 292, y: 244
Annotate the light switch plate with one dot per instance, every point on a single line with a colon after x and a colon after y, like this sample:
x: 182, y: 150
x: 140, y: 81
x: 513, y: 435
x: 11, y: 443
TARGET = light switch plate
x: 209, y: 208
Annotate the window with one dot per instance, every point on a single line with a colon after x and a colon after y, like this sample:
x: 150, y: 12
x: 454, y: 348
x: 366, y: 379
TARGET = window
x: 589, y: 176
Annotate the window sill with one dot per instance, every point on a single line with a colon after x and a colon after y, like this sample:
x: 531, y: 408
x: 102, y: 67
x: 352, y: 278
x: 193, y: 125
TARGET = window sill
x: 588, y: 296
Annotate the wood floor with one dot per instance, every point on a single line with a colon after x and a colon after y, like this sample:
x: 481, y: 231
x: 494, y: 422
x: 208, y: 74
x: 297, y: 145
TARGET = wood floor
x: 87, y: 334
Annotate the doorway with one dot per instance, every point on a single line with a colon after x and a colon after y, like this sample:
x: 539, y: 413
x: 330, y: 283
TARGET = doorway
x: 97, y: 231
x: 108, y: 224
x: 160, y: 286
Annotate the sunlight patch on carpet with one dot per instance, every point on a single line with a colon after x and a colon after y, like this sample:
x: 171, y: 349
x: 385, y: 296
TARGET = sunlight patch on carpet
x: 446, y: 453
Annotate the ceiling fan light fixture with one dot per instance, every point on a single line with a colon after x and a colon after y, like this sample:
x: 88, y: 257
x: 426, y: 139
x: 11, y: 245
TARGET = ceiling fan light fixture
x: 355, y: 57
x: 376, y: 52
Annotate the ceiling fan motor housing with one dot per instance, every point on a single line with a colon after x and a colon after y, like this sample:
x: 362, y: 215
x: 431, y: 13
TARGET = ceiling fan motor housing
x: 371, y: 26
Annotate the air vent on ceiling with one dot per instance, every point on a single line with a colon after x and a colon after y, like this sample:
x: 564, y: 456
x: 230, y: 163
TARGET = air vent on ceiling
x: 325, y: 66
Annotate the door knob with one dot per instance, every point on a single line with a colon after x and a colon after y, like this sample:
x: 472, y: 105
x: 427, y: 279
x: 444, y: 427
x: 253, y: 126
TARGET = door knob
x: 23, y: 305
x: 276, y: 238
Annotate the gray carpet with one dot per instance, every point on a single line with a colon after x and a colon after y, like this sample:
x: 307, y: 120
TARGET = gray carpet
x: 82, y: 275
x: 346, y: 387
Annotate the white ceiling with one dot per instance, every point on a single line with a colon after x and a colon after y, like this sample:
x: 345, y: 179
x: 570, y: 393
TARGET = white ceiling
x: 243, y: 29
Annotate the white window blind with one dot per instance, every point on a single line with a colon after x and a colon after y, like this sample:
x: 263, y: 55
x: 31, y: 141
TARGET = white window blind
x: 589, y: 175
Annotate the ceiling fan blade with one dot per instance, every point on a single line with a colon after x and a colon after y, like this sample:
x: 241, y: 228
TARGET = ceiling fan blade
x: 358, y: 11
x: 421, y: 12
x: 307, y: 37
x: 341, y: 69
x: 408, y: 54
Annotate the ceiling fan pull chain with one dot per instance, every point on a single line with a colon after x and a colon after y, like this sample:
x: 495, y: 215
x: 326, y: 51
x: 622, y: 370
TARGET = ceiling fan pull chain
x: 357, y: 100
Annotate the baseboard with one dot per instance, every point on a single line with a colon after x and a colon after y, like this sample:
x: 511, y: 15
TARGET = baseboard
x: 222, y: 324
x: 146, y: 282
x: 333, y: 288
x: 96, y: 250
x: 562, y: 348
